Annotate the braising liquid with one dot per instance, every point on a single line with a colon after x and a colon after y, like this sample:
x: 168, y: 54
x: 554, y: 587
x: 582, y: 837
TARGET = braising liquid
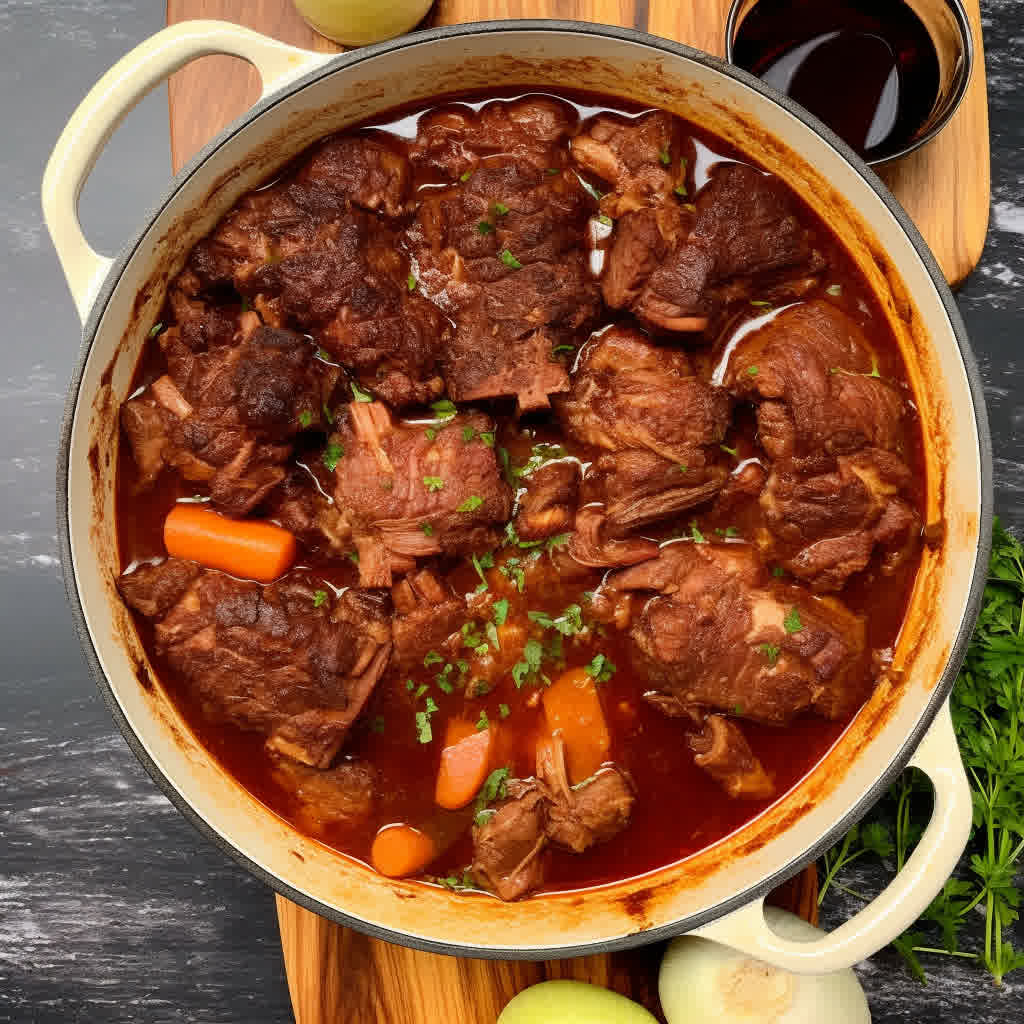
x: 867, y: 68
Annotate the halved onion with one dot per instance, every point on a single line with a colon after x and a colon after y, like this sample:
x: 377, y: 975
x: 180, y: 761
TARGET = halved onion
x: 703, y: 981
x: 572, y: 1002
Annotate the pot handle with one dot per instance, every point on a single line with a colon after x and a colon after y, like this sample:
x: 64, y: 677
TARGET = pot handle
x: 900, y: 904
x: 92, y: 124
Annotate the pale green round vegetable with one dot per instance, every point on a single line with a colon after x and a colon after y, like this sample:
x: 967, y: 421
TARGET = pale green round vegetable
x: 572, y: 1002
x: 703, y: 981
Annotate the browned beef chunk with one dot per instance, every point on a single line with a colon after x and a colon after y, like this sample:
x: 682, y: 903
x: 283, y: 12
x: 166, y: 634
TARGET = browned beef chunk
x: 662, y: 427
x: 640, y: 157
x: 502, y: 251
x: 301, y: 508
x: 343, y: 795
x: 410, y: 494
x: 745, y: 482
x: 307, y: 254
x: 721, y: 749
x: 810, y: 369
x: 678, y: 265
x: 720, y: 635
x: 152, y: 590
x: 427, y: 612
x: 275, y: 659
x: 508, y: 846
x: 827, y: 521
x: 456, y: 138
x: 839, y: 489
x: 229, y: 415
x: 547, y: 504
x: 591, y: 812
x: 364, y: 168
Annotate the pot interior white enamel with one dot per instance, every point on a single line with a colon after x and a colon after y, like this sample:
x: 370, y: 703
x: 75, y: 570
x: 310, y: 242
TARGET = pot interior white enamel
x: 846, y: 196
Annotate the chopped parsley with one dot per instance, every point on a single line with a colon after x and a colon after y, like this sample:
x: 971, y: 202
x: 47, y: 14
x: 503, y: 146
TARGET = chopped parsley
x: 471, y: 636
x: 504, y: 710
x: 569, y: 623
x: 332, y: 453
x: 432, y: 658
x: 424, y: 733
x: 771, y: 652
x: 759, y: 302
x: 411, y: 282
x: 553, y: 170
x: 499, y: 209
x: 319, y: 597
x: 874, y: 368
x: 157, y: 328
x: 500, y: 611
x: 495, y: 787
x: 603, y: 218
x: 353, y: 557
x: 410, y: 685
x: 466, y: 175
x: 487, y: 436
x: 680, y: 190
x: 444, y: 686
x: 540, y: 454
x: 485, y: 561
x: 778, y: 571
x: 430, y: 433
x: 792, y: 623
x: 563, y: 348
x: 664, y: 156
x: 328, y: 415
x: 752, y: 371
x: 483, y: 722
x: 731, y: 531
x: 590, y: 190
x: 444, y: 409
x: 834, y: 289
x: 533, y: 653
x: 695, y: 532
x: 492, y: 635
x: 359, y: 394
x: 471, y: 504
x: 420, y: 690
x: 305, y: 418
x: 428, y: 530
x: 509, y: 260
x: 468, y: 433
x: 322, y: 354
x: 600, y: 669
x: 682, y: 467
x: 433, y: 483
x: 485, y: 227
x: 729, y: 451
x: 512, y: 570
x: 737, y: 709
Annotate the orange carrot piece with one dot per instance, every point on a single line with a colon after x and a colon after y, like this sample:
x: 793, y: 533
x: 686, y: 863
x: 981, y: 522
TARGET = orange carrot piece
x: 463, y: 769
x: 401, y: 850
x: 572, y: 707
x: 252, y: 549
x: 458, y: 729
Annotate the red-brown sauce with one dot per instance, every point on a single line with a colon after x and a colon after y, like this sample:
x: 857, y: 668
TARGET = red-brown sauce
x: 679, y: 808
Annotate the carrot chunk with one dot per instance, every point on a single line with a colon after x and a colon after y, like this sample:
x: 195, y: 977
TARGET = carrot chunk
x: 251, y: 549
x: 401, y: 850
x: 572, y: 708
x: 463, y: 769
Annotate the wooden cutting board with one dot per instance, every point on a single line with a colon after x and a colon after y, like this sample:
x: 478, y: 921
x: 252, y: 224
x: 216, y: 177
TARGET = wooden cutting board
x: 335, y: 975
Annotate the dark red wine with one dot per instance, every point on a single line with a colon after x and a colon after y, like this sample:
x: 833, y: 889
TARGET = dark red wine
x: 867, y: 68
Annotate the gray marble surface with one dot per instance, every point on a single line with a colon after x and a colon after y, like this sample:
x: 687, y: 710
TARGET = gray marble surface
x: 112, y: 909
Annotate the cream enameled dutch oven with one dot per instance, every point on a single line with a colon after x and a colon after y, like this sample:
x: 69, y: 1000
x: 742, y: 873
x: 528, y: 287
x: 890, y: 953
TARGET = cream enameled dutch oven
x: 718, y: 892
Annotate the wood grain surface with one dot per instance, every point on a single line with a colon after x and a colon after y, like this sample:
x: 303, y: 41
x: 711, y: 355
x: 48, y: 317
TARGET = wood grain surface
x: 335, y: 975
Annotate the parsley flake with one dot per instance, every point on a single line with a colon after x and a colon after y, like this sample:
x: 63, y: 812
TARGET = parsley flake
x: 432, y: 658
x: 157, y: 328
x: 471, y: 504
x: 600, y: 669
x: 752, y: 371
x: 433, y: 483
x: 485, y: 228
x: 499, y: 209
x: 695, y: 533
x: 729, y: 451
x: 487, y: 436
x: 504, y: 710
x: 834, y: 289
x: 483, y: 722
x: 305, y: 418
x: 500, y: 611
x: 444, y: 409
x: 319, y: 597
x: 428, y: 530
x: 771, y: 653
x: 792, y: 622
x: 424, y: 733
x: 465, y: 176
x: 665, y: 157
x: 411, y: 282
x: 509, y: 260
x: 359, y: 394
x: 332, y: 453
x: 468, y: 433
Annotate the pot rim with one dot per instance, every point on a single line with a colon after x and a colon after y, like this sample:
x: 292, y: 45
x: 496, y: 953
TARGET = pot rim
x: 957, y: 649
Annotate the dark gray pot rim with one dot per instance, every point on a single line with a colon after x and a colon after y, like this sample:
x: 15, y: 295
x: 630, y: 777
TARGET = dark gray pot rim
x: 957, y: 651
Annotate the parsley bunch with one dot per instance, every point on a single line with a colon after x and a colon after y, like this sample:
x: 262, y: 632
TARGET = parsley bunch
x: 988, y: 716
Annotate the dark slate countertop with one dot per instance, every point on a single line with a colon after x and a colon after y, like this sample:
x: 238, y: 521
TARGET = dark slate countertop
x: 112, y: 909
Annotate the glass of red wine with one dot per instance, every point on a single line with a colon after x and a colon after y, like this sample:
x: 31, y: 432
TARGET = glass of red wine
x: 884, y: 75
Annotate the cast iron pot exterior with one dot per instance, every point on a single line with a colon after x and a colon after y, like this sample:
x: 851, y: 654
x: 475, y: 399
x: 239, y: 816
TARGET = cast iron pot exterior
x: 718, y: 890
